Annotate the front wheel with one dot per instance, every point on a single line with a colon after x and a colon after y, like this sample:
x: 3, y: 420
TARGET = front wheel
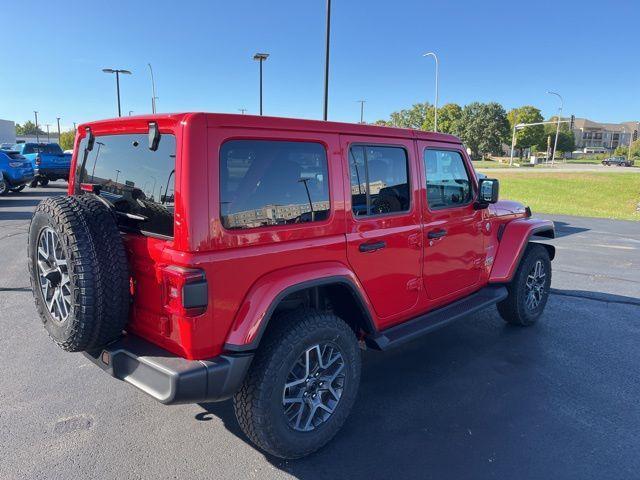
x: 4, y: 186
x: 301, y: 385
x: 529, y: 289
x: 18, y: 189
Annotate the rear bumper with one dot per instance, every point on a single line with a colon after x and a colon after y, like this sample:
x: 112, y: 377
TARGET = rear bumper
x: 168, y: 378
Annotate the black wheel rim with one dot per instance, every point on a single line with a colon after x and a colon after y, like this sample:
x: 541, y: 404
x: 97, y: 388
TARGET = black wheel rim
x: 314, y: 387
x: 535, y: 285
x: 53, y: 275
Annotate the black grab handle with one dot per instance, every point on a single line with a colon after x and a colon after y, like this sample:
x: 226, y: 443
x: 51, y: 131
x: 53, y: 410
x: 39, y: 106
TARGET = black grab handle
x: 370, y: 247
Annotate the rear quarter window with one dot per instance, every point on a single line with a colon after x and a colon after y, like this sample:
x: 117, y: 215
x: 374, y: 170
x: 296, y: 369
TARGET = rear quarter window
x: 266, y: 182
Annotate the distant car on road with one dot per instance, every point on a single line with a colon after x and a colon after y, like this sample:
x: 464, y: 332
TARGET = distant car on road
x: 16, y: 172
x: 619, y: 161
x: 49, y: 161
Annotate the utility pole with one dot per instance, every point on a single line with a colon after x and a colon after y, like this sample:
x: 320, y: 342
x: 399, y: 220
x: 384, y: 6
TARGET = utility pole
x: 326, y: 62
x: 48, y: 136
x: 513, y: 138
x: 555, y: 144
x: 435, y: 117
x: 74, y: 126
x: 58, y: 120
x: 242, y: 110
x: 37, y: 135
x: 153, y: 91
x: 261, y: 57
x: 361, y: 102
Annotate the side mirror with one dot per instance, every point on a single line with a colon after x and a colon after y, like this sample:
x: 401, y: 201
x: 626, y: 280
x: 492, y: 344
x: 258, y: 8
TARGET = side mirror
x: 489, y: 189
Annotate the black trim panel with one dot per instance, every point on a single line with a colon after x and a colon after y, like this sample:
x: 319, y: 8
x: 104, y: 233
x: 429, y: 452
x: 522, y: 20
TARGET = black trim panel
x: 168, y: 378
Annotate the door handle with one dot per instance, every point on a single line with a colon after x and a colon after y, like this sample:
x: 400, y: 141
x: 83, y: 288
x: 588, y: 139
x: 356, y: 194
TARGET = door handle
x: 436, y: 233
x: 371, y: 247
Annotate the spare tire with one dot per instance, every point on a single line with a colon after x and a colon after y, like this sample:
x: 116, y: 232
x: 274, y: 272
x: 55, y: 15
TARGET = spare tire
x: 79, y: 272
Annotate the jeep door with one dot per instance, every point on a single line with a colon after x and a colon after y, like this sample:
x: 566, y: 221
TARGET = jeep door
x: 453, y: 241
x: 383, y: 221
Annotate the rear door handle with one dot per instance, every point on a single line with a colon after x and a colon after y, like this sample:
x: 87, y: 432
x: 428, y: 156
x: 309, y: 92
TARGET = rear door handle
x: 436, y: 233
x: 371, y: 247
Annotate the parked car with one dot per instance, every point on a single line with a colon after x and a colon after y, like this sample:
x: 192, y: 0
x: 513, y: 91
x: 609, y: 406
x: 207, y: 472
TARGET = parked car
x: 252, y: 258
x: 15, y: 172
x: 49, y: 162
x: 619, y: 161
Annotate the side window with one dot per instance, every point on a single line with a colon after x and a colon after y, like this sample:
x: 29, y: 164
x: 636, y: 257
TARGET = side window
x: 379, y: 180
x: 448, y: 183
x: 264, y: 182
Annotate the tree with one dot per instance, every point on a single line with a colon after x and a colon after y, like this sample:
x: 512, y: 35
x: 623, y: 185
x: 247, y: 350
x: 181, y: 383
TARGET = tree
x: 29, y: 128
x: 529, y: 136
x: 420, y: 117
x: 566, y: 139
x: 449, y: 118
x: 67, y: 139
x: 483, y: 127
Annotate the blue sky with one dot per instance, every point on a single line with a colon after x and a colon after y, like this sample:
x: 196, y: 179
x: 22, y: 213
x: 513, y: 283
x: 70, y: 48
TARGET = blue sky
x: 511, y: 52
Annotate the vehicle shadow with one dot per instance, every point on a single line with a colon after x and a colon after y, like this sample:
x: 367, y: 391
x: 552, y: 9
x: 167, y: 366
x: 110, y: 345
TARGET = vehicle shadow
x: 21, y: 215
x: 564, y: 229
x: 400, y: 423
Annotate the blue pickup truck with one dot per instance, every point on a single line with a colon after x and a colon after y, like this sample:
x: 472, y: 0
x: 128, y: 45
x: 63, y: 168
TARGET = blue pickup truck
x: 49, y: 161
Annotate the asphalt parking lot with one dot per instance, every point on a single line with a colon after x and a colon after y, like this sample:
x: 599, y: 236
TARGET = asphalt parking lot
x: 477, y: 399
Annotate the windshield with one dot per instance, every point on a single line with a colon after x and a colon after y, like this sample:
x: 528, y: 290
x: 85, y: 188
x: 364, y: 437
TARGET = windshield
x: 136, y: 181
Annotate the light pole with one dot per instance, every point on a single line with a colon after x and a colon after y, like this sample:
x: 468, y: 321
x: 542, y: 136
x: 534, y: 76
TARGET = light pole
x: 555, y: 144
x: 435, y: 106
x: 37, y: 136
x: 361, y: 102
x: 58, y: 120
x: 261, y: 57
x: 48, y: 136
x: 117, y: 72
x: 242, y: 110
x: 631, y: 142
x: 74, y: 125
x: 130, y: 112
x: 326, y: 61
x: 93, y: 170
x: 153, y: 91
x: 117, y: 174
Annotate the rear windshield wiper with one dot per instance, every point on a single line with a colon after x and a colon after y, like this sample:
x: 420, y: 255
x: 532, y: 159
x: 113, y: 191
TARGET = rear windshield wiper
x: 94, y: 188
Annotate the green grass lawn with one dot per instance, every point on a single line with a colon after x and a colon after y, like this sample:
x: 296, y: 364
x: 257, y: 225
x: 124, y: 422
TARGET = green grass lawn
x: 491, y: 164
x: 605, y: 195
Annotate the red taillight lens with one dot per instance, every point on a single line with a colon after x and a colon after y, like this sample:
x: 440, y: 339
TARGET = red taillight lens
x: 38, y: 160
x: 185, y: 291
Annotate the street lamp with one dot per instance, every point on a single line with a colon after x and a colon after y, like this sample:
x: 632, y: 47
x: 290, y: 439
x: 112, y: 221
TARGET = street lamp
x: 58, y: 120
x: 261, y: 57
x: 435, y: 120
x: 555, y: 144
x: 37, y: 136
x: 326, y: 61
x: 242, y: 110
x: 117, y: 72
x: 48, y: 136
x: 361, y: 102
x: 153, y: 90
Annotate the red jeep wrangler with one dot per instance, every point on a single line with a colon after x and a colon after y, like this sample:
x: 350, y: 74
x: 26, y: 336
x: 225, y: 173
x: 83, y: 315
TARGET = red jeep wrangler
x: 201, y: 257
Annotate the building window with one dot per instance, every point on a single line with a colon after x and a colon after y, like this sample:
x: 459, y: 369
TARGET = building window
x: 379, y: 180
x: 265, y: 183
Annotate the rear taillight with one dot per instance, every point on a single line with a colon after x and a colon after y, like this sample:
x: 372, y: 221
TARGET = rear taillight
x: 38, y: 160
x: 185, y: 291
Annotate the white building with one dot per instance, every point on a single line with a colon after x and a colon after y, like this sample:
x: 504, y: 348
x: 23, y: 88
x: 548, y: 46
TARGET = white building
x: 7, y: 131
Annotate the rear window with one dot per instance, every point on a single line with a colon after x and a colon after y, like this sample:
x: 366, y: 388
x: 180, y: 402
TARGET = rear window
x: 138, y: 182
x: 266, y: 182
x: 48, y: 149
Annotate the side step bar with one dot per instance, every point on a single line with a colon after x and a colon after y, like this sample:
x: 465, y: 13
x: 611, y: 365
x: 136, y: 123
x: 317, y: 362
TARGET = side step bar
x: 405, y: 332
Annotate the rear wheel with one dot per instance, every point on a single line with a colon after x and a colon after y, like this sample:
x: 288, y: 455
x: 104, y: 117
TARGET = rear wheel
x: 301, y: 385
x: 529, y: 289
x: 44, y: 181
x: 4, y: 186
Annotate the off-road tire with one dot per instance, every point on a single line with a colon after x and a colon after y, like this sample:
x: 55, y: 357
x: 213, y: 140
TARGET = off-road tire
x: 44, y: 181
x: 34, y: 183
x: 97, y: 269
x: 17, y: 189
x: 513, y: 309
x: 4, y: 186
x: 258, y: 403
